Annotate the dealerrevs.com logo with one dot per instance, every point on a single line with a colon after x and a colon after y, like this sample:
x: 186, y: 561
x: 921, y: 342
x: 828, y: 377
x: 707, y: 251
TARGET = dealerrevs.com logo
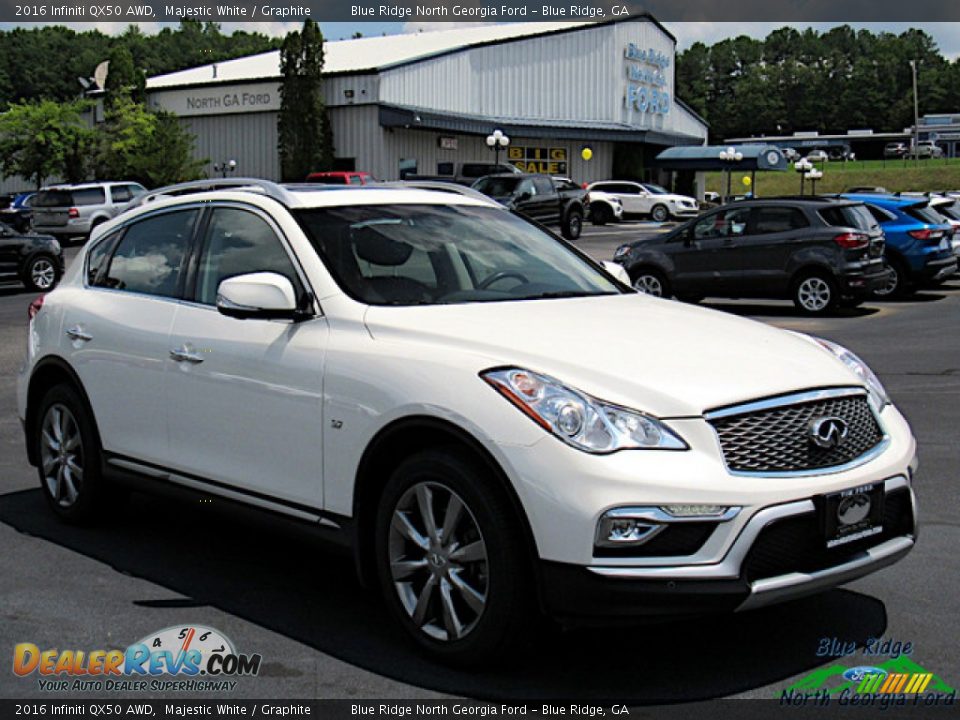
x: 185, y: 658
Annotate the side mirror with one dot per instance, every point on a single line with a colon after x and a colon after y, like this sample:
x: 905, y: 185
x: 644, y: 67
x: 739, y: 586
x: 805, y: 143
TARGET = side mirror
x: 263, y: 295
x: 617, y: 270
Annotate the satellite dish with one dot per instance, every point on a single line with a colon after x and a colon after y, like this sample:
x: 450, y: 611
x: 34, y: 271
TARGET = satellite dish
x: 100, y: 74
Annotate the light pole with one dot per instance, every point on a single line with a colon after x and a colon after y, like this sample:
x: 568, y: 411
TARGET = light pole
x: 916, y: 114
x: 729, y: 157
x: 802, y: 166
x: 495, y: 141
x: 813, y: 175
x: 227, y: 166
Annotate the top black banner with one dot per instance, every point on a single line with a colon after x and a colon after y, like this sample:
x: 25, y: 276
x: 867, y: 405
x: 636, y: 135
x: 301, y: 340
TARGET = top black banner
x: 496, y: 11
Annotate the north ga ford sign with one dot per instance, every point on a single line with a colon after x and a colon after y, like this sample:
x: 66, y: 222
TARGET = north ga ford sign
x: 255, y: 97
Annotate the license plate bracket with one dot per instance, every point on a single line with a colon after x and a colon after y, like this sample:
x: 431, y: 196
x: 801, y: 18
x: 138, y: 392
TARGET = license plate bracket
x: 853, y: 514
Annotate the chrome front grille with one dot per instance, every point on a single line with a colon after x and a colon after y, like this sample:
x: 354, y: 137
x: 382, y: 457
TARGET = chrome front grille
x: 767, y: 439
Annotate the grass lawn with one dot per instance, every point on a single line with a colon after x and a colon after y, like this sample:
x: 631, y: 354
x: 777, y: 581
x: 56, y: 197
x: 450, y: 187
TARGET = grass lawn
x: 894, y: 175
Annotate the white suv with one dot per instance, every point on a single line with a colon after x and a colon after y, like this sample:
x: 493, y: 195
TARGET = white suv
x: 494, y: 423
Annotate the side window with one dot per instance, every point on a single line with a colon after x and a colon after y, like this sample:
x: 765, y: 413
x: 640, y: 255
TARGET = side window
x: 543, y: 186
x: 238, y: 242
x: 444, y: 168
x: 780, y: 219
x: 726, y: 223
x: 121, y: 194
x: 626, y: 189
x: 527, y: 186
x: 97, y: 258
x: 355, y: 180
x: 149, y: 258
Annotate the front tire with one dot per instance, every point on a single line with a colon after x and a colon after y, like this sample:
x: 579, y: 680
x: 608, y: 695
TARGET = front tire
x: 650, y: 282
x: 601, y: 214
x: 815, y: 293
x: 450, y: 558
x: 69, y: 454
x: 660, y: 213
x: 573, y: 224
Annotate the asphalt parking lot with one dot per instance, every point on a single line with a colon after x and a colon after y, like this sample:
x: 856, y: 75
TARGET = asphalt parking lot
x: 275, y: 592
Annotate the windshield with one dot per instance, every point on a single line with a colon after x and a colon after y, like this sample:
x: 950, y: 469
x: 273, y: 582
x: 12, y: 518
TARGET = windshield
x: 656, y: 189
x: 438, y: 254
x: 496, y: 186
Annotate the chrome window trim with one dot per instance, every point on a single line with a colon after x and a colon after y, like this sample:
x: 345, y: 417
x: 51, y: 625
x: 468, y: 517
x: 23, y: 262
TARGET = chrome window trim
x: 728, y: 567
x: 798, y: 399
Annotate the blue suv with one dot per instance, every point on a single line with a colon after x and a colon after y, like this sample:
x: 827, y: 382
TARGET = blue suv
x: 918, y: 250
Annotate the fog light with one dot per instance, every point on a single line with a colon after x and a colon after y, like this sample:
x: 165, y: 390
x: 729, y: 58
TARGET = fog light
x: 694, y: 510
x: 616, y: 532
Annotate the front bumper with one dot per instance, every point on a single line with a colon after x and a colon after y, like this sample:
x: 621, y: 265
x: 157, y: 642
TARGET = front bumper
x: 777, y: 556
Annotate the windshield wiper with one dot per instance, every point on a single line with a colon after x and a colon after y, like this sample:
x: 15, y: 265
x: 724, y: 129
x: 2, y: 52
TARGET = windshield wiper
x: 565, y: 294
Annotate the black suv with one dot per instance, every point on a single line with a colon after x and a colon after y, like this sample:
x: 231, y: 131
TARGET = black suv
x: 820, y: 252
x: 34, y: 260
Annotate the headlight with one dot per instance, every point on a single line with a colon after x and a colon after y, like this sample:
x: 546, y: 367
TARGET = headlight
x: 621, y: 252
x: 576, y: 418
x: 878, y: 395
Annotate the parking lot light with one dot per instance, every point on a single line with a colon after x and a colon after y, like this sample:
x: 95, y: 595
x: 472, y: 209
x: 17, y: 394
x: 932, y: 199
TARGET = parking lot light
x: 495, y: 141
x: 802, y: 166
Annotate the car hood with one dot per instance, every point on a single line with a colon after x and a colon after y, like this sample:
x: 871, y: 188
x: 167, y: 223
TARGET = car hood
x: 663, y: 357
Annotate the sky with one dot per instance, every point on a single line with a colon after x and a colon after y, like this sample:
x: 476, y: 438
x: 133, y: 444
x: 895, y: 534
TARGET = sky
x: 947, y: 35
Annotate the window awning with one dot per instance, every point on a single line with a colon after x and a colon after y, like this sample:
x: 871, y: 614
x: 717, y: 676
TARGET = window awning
x: 707, y: 157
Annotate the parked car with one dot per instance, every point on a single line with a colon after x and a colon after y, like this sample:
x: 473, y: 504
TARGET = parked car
x: 34, y: 260
x: 872, y: 189
x: 19, y: 213
x: 342, y: 177
x: 68, y: 211
x: 895, y: 150
x: 428, y: 381
x: 539, y: 197
x: 467, y: 173
x: 647, y: 199
x: 790, y: 154
x: 819, y: 252
x: 927, y: 150
x: 949, y: 209
x: 816, y: 156
x: 603, y: 208
x: 919, y: 250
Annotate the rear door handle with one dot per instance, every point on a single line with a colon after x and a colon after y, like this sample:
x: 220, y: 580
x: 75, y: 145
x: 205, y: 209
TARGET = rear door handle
x: 182, y: 354
x: 77, y: 333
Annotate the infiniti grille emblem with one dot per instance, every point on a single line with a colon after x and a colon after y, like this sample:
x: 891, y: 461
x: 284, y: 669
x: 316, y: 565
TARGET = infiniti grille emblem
x: 828, y: 432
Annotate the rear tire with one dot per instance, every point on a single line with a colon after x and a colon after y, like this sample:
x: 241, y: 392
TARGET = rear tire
x: 899, y: 285
x: 41, y: 274
x: 573, y: 224
x: 451, y: 560
x: 815, y: 293
x: 69, y: 457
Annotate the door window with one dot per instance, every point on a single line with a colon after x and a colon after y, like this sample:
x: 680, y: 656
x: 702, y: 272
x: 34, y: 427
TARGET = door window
x: 723, y: 224
x: 121, y: 194
x: 149, y: 258
x: 238, y: 242
x: 543, y: 186
x: 779, y: 219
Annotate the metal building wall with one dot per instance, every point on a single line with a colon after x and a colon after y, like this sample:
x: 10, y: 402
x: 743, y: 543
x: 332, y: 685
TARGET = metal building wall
x: 249, y: 138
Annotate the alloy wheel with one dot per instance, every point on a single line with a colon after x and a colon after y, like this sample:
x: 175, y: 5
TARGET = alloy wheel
x: 649, y: 285
x: 893, y: 283
x: 814, y: 294
x: 61, y: 455
x: 660, y: 213
x: 43, y: 274
x: 438, y: 561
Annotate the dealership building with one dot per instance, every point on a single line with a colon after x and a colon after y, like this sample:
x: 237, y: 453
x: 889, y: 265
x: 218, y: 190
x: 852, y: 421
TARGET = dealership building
x: 417, y: 103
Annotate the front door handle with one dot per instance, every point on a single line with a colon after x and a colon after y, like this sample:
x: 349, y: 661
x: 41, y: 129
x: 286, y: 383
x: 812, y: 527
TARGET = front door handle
x: 182, y: 354
x: 77, y: 333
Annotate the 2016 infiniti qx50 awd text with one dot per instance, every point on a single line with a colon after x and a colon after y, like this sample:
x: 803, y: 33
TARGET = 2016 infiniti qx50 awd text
x: 494, y: 423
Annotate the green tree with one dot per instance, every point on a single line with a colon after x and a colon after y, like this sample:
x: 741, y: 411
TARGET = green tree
x: 305, y: 141
x: 152, y: 148
x: 41, y: 140
x: 123, y: 77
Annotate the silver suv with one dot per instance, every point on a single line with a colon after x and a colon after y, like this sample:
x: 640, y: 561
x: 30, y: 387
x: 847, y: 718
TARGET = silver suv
x: 74, y: 210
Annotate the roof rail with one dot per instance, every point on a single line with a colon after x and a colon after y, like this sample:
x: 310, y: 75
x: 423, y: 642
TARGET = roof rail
x: 257, y: 185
